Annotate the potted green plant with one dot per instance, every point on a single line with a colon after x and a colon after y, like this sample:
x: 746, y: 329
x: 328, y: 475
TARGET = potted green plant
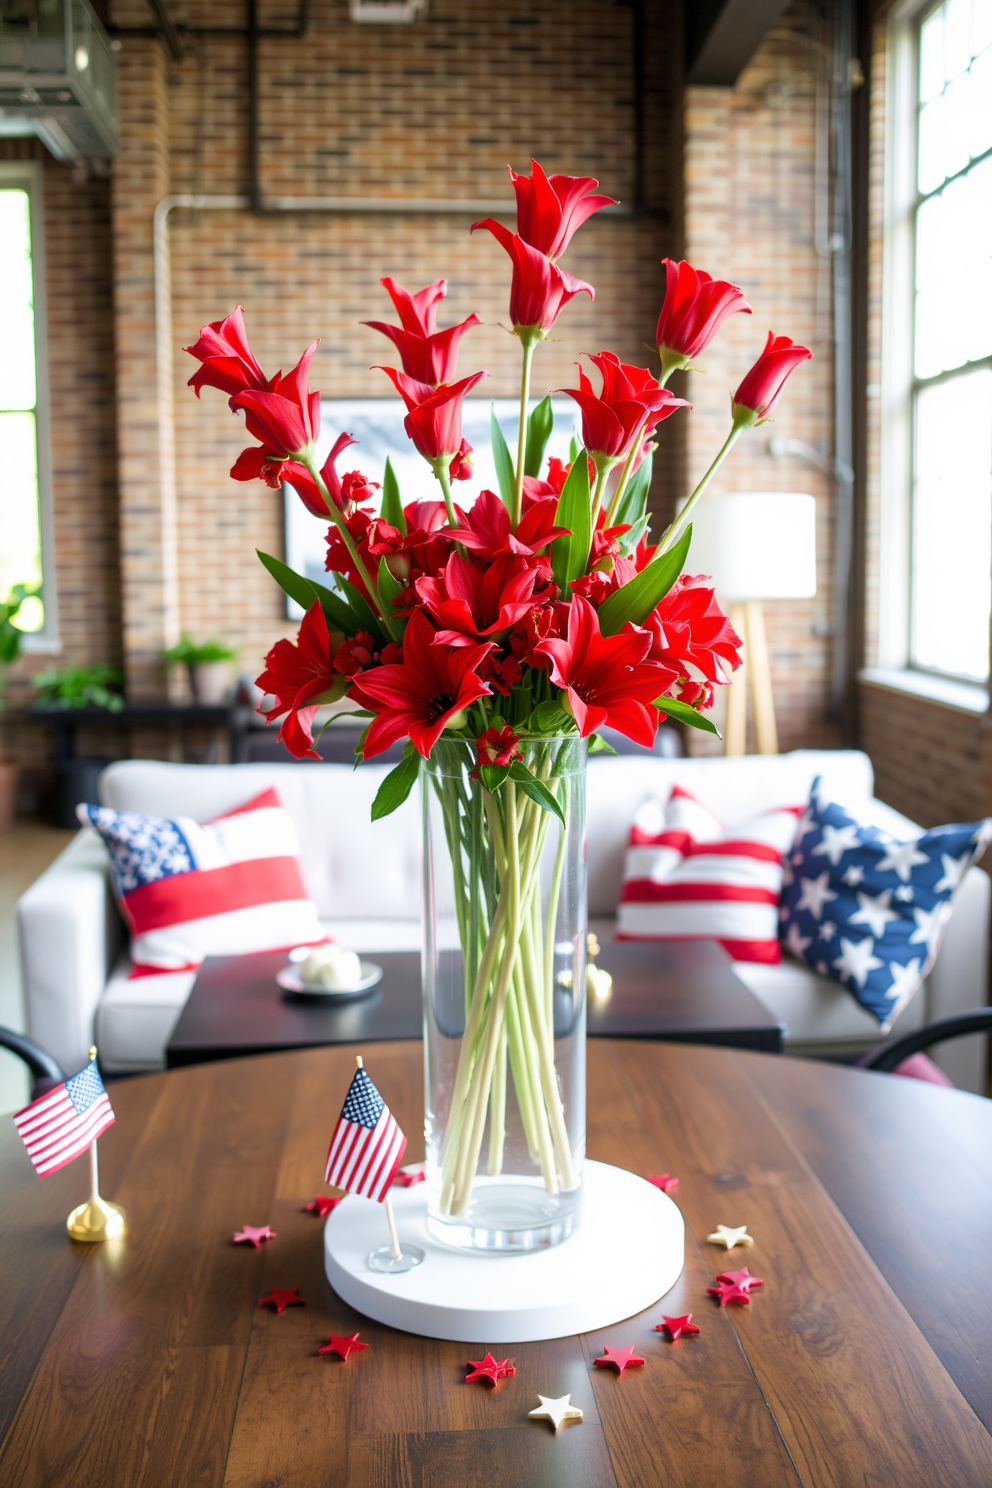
x: 10, y: 650
x: 209, y: 665
x: 81, y: 687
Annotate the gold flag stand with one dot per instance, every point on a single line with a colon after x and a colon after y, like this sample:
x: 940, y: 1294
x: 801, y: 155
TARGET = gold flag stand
x: 97, y: 1219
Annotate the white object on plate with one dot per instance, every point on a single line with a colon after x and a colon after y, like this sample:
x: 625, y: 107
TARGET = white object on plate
x: 291, y: 980
x: 328, y: 967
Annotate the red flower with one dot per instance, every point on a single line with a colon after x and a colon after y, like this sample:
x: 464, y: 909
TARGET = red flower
x: 422, y: 694
x: 694, y: 308
x: 461, y: 467
x: 285, y: 419
x: 487, y: 528
x: 356, y: 655
x: 469, y: 603
x: 422, y: 549
x: 434, y: 415
x: 605, y: 678
x: 498, y: 746
x: 539, y: 623
x: 261, y: 463
x: 632, y: 403
x: 299, y: 678
x: 539, y: 290
x: 689, y: 629
x: 226, y: 357
x: 427, y: 354
x: 501, y: 672
x: 760, y: 390
x: 609, y: 575
x: 698, y: 695
x: 550, y: 210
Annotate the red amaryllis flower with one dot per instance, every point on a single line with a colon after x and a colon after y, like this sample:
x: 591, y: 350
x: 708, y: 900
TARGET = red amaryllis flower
x: 689, y: 629
x: 537, y: 625
x: 486, y: 530
x: 469, y: 603
x: 286, y: 418
x: 498, y: 746
x: 551, y: 209
x: 420, y: 695
x: 427, y: 354
x: 461, y: 467
x: 632, y: 402
x: 261, y: 463
x: 605, y: 678
x: 422, y: 549
x: 359, y: 653
x: 228, y: 362
x: 299, y: 678
x: 539, y: 290
x: 502, y: 672
x: 762, y: 387
x: 434, y: 415
x: 694, y: 308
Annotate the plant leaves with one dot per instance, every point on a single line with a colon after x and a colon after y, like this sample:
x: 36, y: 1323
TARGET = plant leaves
x: 388, y: 584
x: 539, y: 427
x: 598, y: 745
x: 397, y: 786
x: 550, y: 717
x: 493, y: 776
x: 306, y: 592
x: 635, y: 601
x: 531, y: 786
x: 503, y: 462
x: 682, y: 713
x: 635, y: 498
x: 366, y: 616
x: 392, y: 506
x: 569, y: 555
x: 629, y: 540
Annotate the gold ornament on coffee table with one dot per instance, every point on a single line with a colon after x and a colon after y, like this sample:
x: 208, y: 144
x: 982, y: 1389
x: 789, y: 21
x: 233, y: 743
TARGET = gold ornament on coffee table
x: 97, y: 1219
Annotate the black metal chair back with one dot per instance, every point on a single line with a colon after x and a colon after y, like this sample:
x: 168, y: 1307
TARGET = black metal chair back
x: 889, y: 1054
x: 46, y: 1072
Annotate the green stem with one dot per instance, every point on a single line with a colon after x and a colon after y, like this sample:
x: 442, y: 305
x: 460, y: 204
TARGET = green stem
x: 625, y: 477
x: 442, y: 469
x: 672, y: 534
x: 602, y: 471
x: 516, y: 511
x: 337, y: 517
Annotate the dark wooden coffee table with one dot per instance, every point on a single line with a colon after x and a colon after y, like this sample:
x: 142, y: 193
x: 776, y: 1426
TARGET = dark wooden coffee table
x: 682, y: 991
x: 863, y: 1359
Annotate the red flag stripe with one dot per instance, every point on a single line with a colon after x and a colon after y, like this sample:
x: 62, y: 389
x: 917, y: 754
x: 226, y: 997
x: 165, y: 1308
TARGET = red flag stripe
x: 644, y: 891
x: 44, y: 1142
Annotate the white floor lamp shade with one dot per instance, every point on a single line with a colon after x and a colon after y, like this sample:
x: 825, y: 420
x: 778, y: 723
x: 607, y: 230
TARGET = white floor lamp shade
x: 755, y: 546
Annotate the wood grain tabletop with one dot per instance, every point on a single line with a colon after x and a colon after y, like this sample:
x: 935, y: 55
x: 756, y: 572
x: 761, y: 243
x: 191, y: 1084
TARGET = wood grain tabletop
x: 863, y: 1360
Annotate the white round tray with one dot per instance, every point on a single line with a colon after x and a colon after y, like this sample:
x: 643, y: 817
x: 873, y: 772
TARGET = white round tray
x: 628, y: 1251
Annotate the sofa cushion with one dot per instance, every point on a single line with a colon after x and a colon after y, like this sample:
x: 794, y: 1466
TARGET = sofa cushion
x: 815, y: 1011
x: 136, y: 1016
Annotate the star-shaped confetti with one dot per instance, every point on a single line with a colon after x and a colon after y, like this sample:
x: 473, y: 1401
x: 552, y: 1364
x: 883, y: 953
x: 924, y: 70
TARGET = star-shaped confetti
x: 728, y: 1237
x: 253, y: 1235
x: 322, y: 1204
x: 556, y: 1411
x: 726, y: 1292
x: 664, y: 1181
x: 620, y: 1358
x: 742, y: 1279
x: 408, y: 1176
x: 489, y: 1369
x: 342, y: 1346
x: 675, y: 1327
x: 281, y: 1299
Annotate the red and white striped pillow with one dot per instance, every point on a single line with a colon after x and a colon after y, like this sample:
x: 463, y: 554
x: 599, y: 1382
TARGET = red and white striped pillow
x: 687, y: 877
x: 225, y: 887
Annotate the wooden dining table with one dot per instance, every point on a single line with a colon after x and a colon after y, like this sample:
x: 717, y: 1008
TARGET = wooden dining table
x: 865, y: 1358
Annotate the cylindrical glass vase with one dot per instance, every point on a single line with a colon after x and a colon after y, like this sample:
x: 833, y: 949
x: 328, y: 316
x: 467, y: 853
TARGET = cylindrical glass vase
x: 504, y: 973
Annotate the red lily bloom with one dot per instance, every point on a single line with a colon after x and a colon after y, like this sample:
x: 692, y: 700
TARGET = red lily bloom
x: 299, y: 678
x: 469, y: 604
x: 486, y: 531
x: 694, y: 308
x: 762, y: 387
x: 461, y: 467
x: 434, y: 415
x: 606, y: 679
x: 539, y: 623
x: 421, y: 694
x: 689, y: 629
x: 286, y: 418
x: 422, y: 549
x: 427, y: 354
x: 227, y: 359
x: 261, y: 463
x: 539, y: 290
x: 498, y: 746
x: 502, y: 672
x: 359, y: 653
x: 609, y: 575
x: 631, y: 404
x: 550, y: 210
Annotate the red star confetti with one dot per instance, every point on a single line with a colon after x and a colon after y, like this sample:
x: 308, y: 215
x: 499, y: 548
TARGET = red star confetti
x: 253, y: 1235
x: 664, y: 1181
x: 489, y: 1369
x: 342, y: 1346
x: 281, y: 1299
x: 408, y: 1176
x: 742, y: 1279
x: 620, y: 1358
x: 675, y: 1327
x: 728, y: 1292
x: 322, y: 1204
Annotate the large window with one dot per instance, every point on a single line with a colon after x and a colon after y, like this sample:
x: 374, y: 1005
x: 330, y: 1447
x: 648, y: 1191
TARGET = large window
x: 950, y: 423
x: 24, y: 506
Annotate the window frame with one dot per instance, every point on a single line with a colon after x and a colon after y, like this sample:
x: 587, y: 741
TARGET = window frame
x: 27, y: 175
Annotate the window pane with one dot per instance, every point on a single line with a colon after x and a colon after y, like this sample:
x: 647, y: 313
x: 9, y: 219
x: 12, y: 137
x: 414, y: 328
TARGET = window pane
x: 980, y: 128
x: 932, y: 56
x: 981, y: 25
x: 17, y: 373
x: 957, y: 37
x: 954, y: 274
x: 20, y: 551
x: 930, y: 151
x: 952, y: 536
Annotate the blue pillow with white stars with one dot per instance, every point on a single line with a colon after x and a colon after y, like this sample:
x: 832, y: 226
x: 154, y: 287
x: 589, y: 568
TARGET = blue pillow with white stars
x: 868, y: 910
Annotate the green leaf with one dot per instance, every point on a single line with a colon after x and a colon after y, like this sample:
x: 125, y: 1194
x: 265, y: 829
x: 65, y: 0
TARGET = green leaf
x: 366, y: 616
x: 493, y: 776
x: 392, y: 506
x: 504, y: 464
x: 628, y: 542
x: 569, y: 555
x: 598, y: 745
x: 573, y: 449
x: 636, y: 600
x: 539, y: 427
x: 306, y: 592
x: 550, y: 717
x: 635, y: 498
x: 397, y: 786
x: 389, y: 584
x: 682, y: 713
x: 531, y: 786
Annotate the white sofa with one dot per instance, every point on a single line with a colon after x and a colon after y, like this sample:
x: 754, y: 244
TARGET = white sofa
x: 365, y: 880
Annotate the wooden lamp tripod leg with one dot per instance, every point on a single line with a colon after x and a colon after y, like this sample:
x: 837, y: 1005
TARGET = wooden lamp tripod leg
x: 766, y: 734
x: 735, y: 729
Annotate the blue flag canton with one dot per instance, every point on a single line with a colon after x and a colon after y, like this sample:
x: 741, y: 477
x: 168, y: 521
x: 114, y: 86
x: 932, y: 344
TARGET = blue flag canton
x: 85, y: 1088
x: 363, y: 1104
x: 143, y: 849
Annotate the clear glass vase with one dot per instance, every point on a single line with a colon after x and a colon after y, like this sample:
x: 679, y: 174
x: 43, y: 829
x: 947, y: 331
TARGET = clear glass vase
x: 504, y: 973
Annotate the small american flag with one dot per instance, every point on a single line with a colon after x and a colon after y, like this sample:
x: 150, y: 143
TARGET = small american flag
x: 58, y: 1126
x: 367, y: 1146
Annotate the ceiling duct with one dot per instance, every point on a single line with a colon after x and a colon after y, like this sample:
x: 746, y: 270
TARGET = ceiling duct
x: 58, y: 78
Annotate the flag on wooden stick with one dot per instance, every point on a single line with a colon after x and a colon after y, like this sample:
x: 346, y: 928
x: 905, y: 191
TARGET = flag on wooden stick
x: 61, y: 1124
x: 367, y: 1146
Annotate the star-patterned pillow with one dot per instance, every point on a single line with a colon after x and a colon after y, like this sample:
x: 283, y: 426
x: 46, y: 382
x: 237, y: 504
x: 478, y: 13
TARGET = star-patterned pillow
x: 870, y: 911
